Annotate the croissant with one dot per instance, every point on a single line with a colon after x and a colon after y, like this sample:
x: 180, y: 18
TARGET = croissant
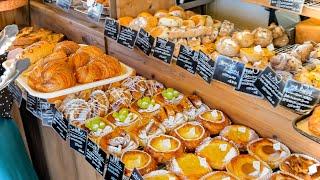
x: 68, y: 47
x: 92, y: 51
x: 78, y: 60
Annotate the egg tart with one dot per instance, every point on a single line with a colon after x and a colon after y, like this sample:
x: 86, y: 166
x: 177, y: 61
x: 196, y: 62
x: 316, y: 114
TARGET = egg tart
x: 282, y: 176
x: 126, y: 119
x: 223, y: 175
x: 97, y: 127
x: 140, y: 160
x: 160, y: 175
x: 190, y: 134
x: 217, y: 151
x: 301, y: 166
x: 151, y: 129
x: 189, y: 166
x: 213, y: 120
x: 163, y: 148
x: 268, y: 150
x: 240, y: 135
x: 248, y: 167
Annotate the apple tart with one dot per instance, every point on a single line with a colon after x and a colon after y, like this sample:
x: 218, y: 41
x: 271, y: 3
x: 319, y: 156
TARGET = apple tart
x: 140, y: 160
x: 163, y: 148
x: 281, y: 176
x: 217, y: 151
x: 126, y: 119
x: 149, y: 130
x: 248, y: 167
x: 268, y: 150
x: 214, y: 121
x: 223, y: 175
x: 189, y: 166
x: 160, y: 175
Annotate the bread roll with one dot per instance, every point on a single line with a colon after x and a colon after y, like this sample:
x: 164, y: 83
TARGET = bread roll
x: 244, y: 38
x: 189, y: 14
x: 199, y: 20
x: 160, y: 31
x: 146, y: 23
x: 161, y: 13
x: 188, y: 23
x: 226, y: 28
x: 170, y: 21
x: 144, y: 14
x: 228, y: 47
x: 281, y: 41
x: 125, y: 21
x: 174, y: 8
x: 262, y: 37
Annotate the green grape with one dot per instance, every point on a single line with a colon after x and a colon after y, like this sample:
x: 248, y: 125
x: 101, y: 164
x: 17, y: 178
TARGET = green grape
x: 88, y: 125
x: 124, y: 111
x: 122, y: 117
x: 169, y: 95
x: 146, y: 99
x: 96, y: 120
x: 145, y: 105
x: 115, y: 115
x: 139, y: 102
x: 170, y: 90
x: 102, y: 125
x: 164, y: 93
x: 95, y: 127
x: 175, y: 93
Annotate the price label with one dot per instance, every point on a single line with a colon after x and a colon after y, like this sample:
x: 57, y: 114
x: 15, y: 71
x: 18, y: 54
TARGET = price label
x: 95, y: 156
x: 135, y: 175
x: 291, y: 5
x: 144, y: 42
x: 64, y: 4
x: 246, y: 84
x: 78, y: 139
x: 111, y: 28
x: 270, y: 85
x: 163, y: 50
x: 127, y: 37
x: 46, y: 112
x: 115, y: 168
x: 299, y: 97
x: 205, y: 67
x: 15, y: 92
x: 47, y: 1
x: 32, y: 105
x: 95, y: 11
x: 60, y: 125
x: 187, y: 59
x: 228, y: 71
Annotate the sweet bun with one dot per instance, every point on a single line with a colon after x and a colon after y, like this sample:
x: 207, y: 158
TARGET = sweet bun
x: 226, y: 28
x: 216, y: 23
x: 161, y: 13
x: 146, y: 23
x: 160, y: 31
x: 175, y: 8
x: 188, y: 23
x: 227, y: 46
x: 144, y: 14
x: 281, y: 41
x: 170, y: 21
x: 262, y: 37
x: 178, y: 13
x: 244, y: 38
x: 188, y: 14
x: 125, y: 21
x: 209, y: 21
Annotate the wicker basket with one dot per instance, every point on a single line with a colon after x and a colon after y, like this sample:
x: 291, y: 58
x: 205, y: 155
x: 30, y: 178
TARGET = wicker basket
x: 6, y: 5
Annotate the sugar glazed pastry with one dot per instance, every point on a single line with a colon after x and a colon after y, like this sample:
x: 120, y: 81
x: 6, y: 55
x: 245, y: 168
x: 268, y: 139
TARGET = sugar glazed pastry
x: 151, y: 129
x: 140, y: 160
x: 214, y: 121
x: 218, y: 175
x: 126, y: 119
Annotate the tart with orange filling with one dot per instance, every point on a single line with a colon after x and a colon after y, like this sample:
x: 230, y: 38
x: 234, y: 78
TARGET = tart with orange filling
x: 126, y: 119
x: 151, y: 129
x: 218, y: 175
x: 240, y: 135
x: 248, y: 167
x: 282, y: 176
x: 163, y: 148
x: 269, y: 150
x: 140, y: 160
x: 160, y: 175
x: 189, y: 166
x: 217, y: 151
x: 213, y: 120
x: 190, y: 134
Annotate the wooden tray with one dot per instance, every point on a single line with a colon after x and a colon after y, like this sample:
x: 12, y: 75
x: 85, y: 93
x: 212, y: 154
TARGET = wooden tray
x: 301, y: 125
x: 7, y: 5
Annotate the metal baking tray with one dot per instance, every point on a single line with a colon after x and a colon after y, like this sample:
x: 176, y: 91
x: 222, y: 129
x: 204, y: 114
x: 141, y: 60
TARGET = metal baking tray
x: 301, y: 125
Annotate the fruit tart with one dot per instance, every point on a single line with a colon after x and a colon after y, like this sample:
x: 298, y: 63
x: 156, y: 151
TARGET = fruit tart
x: 217, y: 151
x: 99, y: 103
x: 151, y: 129
x: 119, y: 98
x: 163, y: 148
x: 126, y: 119
x: 240, y: 135
x: 169, y: 96
x: 268, y: 150
x: 190, y: 134
x: 148, y: 107
x: 76, y: 111
x: 118, y: 141
x: 218, y: 175
x: 137, y: 85
x: 301, y: 166
x: 281, y: 176
x: 140, y: 160
x: 173, y: 118
x: 189, y: 166
x: 248, y: 167
x: 160, y: 175
x: 213, y: 120
x: 98, y: 127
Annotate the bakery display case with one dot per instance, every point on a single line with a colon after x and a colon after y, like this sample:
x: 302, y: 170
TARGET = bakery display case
x: 155, y: 90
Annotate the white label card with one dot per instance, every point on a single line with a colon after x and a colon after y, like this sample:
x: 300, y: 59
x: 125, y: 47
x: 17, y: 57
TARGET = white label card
x: 313, y: 169
x: 277, y: 146
x: 223, y: 147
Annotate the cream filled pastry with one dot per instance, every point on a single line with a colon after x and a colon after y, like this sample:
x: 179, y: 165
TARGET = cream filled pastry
x: 125, y: 119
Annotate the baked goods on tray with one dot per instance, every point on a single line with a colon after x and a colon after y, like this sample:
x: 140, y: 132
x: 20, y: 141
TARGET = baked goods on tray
x: 140, y: 160
x: 160, y: 175
x: 281, y: 176
x: 218, y: 175
x: 149, y: 130
x: 213, y: 120
x: 314, y: 121
x: 126, y: 119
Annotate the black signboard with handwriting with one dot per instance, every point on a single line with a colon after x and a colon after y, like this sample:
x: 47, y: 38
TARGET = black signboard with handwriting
x: 95, y: 11
x: 135, y: 175
x: 228, y: 71
x: 299, y: 97
x: 64, y: 4
x: 144, y: 42
x: 187, y: 59
x: 291, y: 5
x: 127, y: 37
x: 115, y: 168
x: 205, y: 67
x: 95, y: 156
x: 16, y: 92
x: 246, y: 85
x: 32, y: 105
x: 60, y: 125
x: 270, y: 85
x: 46, y: 112
x: 163, y: 50
x: 48, y: 1
x: 78, y: 139
x: 111, y: 28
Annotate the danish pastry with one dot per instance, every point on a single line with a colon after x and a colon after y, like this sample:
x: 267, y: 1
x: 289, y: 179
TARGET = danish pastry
x: 282, y: 176
x: 68, y: 47
x: 160, y: 175
x: 218, y: 175
x: 214, y: 121
x: 151, y: 129
x: 140, y: 160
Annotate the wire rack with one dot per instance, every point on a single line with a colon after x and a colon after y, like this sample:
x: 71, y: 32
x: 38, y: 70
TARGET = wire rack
x: 286, y: 49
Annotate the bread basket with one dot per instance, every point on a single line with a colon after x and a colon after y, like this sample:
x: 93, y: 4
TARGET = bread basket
x: 6, y: 5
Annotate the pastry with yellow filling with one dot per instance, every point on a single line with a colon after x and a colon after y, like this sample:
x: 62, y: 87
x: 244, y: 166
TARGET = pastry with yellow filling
x: 140, y: 160
x: 223, y: 175
x: 160, y: 175
x: 282, y: 176
x: 256, y: 56
x: 213, y: 120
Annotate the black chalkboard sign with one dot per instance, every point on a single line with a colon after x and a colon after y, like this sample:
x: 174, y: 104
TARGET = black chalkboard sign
x: 32, y: 105
x: 95, y: 156
x: 188, y: 59
x: 48, y: 1
x: 228, y: 71
x: 205, y: 67
x: 299, y: 97
x: 64, y: 4
x: 111, y: 28
x: 95, y: 11
x: 144, y: 42
x: 135, y: 175
x: 15, y: 92
x: 270, y: 85
x: 291, y: 5
x: 46, y: 112
x: 115, y: 168
x: 246, y: 85
x: 77, y: 139
x: 60, y: 125
x: 163, y: 50
x: 127, y: 37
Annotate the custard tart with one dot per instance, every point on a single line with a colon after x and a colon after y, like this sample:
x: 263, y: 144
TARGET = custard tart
x: 160, y: 175
x: 281, y: 176
x: 240, y: 135
x: 223, y: 175
x: 151, y: 129
x: 301, y: 166
x: 217, y: 151
x: 214, y: 121
x: 189, y: 166
x: 163, y: 148
x: 140, y: 160
x: 126, y: 119
x: 191, y: 134
x: 246, y: 166
x: 268, y: 150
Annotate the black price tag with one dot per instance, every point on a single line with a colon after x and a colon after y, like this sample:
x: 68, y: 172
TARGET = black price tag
x: 144, y: 41
x: 205, y: 67
x: 111, y: 28
x: 32, y: 105
x: 95, y: 156
x: 78, y: 139
x: 291, y: 5
x: 270, y: 84
x: 115, y: 168
x: 16, y: 92
x: 135, y: 175
x: 127, y: 37
x: 299, y: 97
x: 228, y: 71
x: 46, y: 112
x: 47, y: 1
x: 163, y: 50
x: 95, y: 11
x: 60, y: 125
x: 64, y: 4
x: 187, y: 59
x: 246, y: 84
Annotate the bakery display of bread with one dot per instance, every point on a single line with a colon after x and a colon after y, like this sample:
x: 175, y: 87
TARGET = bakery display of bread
x: 218, y: 175
x: 140, y: 160
x: 214, y: 121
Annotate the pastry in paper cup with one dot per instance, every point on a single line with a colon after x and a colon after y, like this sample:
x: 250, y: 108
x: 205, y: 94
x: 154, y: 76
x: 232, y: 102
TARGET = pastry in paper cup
x: 150, y: 129
x: 282, y: 175
x: 126, y: 119
x: 159, y: 175
x: 163, y: 148
x: 214, y: 121
x: 218, y: 175
x: 268, y: 150
x: 140, y: 160
x: 97, y: 127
